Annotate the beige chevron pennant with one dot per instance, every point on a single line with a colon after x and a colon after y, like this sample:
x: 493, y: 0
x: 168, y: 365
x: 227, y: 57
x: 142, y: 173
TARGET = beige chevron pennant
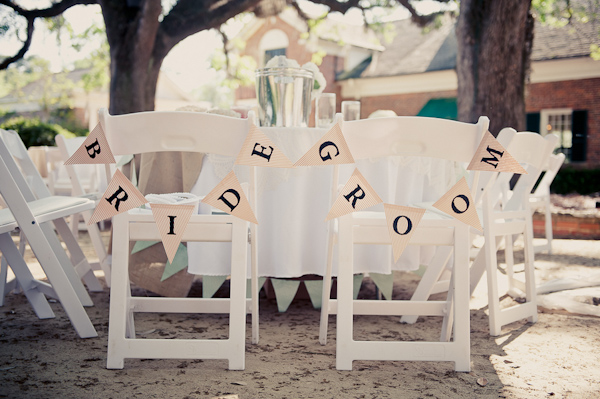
x: 120, y: 196
x: 402, y: 222
x: 171, y: 220
x: 491, y: 156
x: 458, y: 203
x: 229, y: 197
x: 356, y: 195
x: 331, y: 149
x: 259, y: 150
x: 94, y: 150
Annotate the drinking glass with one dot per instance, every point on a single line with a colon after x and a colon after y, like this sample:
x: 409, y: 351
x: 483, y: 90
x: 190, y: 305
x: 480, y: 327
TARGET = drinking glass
x: 325, y: 110
x: 351, y: 110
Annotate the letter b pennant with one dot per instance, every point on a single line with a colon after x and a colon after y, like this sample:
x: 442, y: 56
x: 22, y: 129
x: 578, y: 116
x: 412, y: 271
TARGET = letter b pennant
x: 229, y: 197
x: 94, y: 150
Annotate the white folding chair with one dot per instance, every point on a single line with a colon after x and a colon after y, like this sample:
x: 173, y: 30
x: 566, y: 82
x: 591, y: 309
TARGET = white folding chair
x: 33, y: 216
x: 67, y: 147
x: 541, y: 195
x: 39, y: 190
x: 179, y: 131
x: 421, y: 137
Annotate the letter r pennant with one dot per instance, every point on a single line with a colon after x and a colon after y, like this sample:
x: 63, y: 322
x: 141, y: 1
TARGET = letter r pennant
x: 120, y: 196
x: 356, y: 195
x: 229, y: 197
x: 94, y: 150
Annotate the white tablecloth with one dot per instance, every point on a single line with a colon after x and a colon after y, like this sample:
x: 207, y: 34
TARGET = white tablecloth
x: 293, y: 204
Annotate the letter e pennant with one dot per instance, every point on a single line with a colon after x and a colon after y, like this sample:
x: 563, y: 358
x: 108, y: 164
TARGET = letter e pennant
x: 356, y: 195
x: 401, y: 222
x: 491, y: 156
x: 458, y: 203
x: 171, y: 221
x: 331, y: 149
x: 120, y: 196
x: 94, y: 150
x: 229, y: 197
x: 259, y: 150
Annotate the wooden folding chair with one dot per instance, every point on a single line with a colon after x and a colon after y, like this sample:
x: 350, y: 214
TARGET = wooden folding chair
x: 421, y: 137
x: 179, y: 131
x: 33, y: 217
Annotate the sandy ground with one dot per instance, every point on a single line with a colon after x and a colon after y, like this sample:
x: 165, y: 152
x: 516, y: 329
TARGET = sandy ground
x: 559, y: 356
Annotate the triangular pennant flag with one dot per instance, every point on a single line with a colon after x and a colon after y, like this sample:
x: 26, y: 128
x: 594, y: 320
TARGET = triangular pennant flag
x: 120, y: 196
x: 491, y: 156
x: 331, y: 149
x: 384, y: 283
x: 458, y: 203
x: 315, y: 292
x: 285, y: 291
x: 356, y: 195
x: 402, y: 222
x: 210, y: 285
x: 259, y: 150
x: 179, y: 262
x: 94, y: 149
x: 229, y: 197
x: 171, y: 220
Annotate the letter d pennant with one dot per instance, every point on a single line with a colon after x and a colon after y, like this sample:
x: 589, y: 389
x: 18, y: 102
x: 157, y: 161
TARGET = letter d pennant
x: 229, y: 197
x: 458, y: 203
x: 120, y: 196
x: 402, y: 222
x: 356, y: 195
x: 491, y: 156
x: 331, y: 149
x: 259, y: 150
x: 94, y: 150
x: 171, y: 221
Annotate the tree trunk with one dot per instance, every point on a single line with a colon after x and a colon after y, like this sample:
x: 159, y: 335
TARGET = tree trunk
x: 493, y: 64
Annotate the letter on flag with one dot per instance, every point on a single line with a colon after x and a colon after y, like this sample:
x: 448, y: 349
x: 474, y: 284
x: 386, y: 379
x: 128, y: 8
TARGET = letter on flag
x: 171, y: 220
x: 458, y: 203
x: 356, y: 195
x: 491, y: 156
x: 259, y: 150
x: 402, y: 222
x: 331, y: 149
x: 120, y: 196
x: 94, y: 150
x: 229, y: 197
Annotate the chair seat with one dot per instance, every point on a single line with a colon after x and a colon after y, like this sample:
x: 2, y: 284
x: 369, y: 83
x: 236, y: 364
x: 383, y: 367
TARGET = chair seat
x: 49, y: 208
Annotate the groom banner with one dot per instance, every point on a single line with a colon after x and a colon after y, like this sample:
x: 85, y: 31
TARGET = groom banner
x: 356, y: 195
x: 120, y: 196
x: 229, y: 197
x: 331, y: 149
x: 94, y: 150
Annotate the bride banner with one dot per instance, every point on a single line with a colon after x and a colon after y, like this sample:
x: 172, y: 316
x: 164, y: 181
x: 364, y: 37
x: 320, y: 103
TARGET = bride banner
x: 94, y: 150
x: 491, y: 156
x: 229, y: 197
x: 259, y: 150
x: 331, y: 149
x: 171, y: 221
x: 458, y: 203
x: 401, y: 222
x: 120, y: 196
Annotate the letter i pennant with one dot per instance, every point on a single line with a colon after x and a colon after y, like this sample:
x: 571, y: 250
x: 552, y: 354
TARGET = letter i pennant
x: 356, y: 195
x: 259, y: 150
x: 492, y: 157
x: 94, y: 150
x: 171, y: 221
x: 458, y: 203
x: 401, y: 222
x: 120, y: 196
x: 229, y: 197
x: 331, y: 149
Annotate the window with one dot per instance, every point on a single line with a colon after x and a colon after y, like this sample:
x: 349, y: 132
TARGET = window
x: 570, y: 127
x: 273, y: 43
x: 273, y: 53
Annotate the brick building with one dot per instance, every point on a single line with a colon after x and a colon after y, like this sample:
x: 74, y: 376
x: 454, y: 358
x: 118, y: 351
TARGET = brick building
x: 415, y: 74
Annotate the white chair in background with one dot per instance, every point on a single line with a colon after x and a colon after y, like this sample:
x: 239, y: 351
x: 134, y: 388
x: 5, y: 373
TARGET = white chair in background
x: 33, y: 217
x: 417, y: 137
x: 179, y: 131
x: 67, y: 147
x: 541, y: 195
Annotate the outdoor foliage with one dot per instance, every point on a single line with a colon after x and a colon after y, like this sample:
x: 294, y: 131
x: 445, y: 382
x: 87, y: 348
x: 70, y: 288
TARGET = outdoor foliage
x: 33, y: 132
x: 571, y: 180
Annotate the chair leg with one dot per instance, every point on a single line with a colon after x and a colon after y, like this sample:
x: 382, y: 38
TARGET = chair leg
x: 548, y: 224
x: 254, y: 284
x: 461, y: 319
x: 103, y: 257
x: 493, y: 294
x: 531, y: 291
x: 345, y: 282
x: 326, y: 293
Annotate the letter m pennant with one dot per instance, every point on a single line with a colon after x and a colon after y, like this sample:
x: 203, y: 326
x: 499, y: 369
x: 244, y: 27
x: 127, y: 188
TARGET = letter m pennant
x: 492, y: 157
x: 94, y: 150
x: 229, y: 197
x: 120, y: 196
